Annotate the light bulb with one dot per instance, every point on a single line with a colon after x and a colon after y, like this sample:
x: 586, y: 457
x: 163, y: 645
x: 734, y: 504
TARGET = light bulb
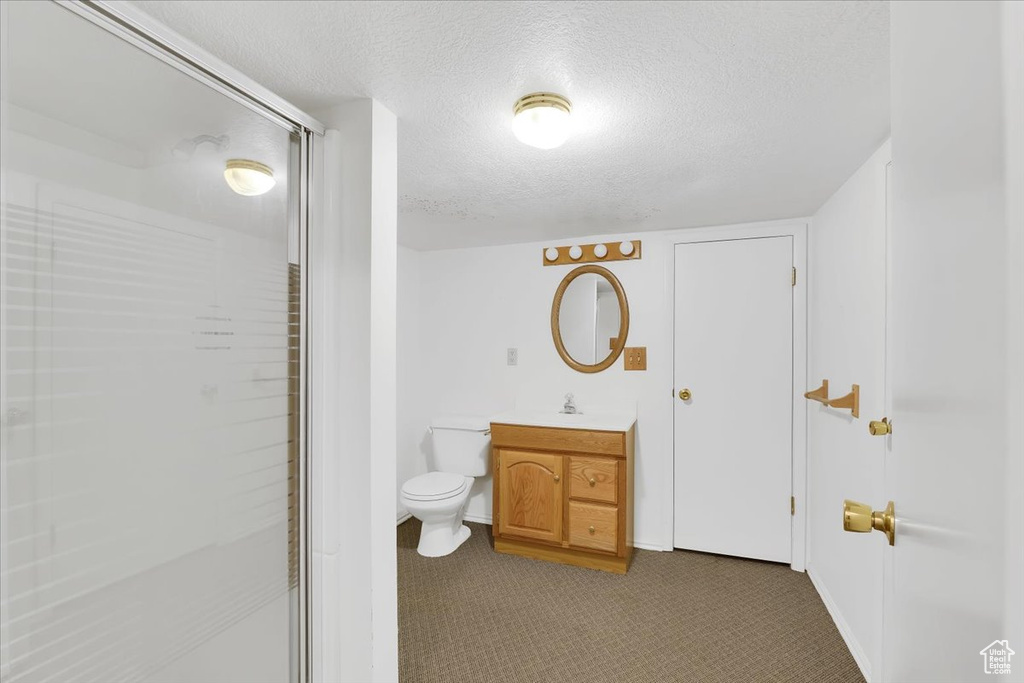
x: 575, y: 252
x: 249, y: 178
x: 626, y: 248
x: 541, y: 120
x: 551, y: 254
x: 600, y: 251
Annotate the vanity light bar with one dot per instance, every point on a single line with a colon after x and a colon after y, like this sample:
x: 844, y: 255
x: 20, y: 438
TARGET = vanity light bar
x: 591, y: 253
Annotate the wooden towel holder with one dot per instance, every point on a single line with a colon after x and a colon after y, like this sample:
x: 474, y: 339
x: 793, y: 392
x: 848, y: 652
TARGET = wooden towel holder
x: 851, y: 401
x: 820, y: 394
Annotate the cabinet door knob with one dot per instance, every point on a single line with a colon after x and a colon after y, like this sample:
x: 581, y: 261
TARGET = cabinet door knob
x: 592, y: 529
x: 593, y: 482
x: 557, y: 478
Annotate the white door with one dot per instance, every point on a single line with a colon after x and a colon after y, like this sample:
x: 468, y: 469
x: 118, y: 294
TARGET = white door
x: 953, y: 579
x: 733, y: 435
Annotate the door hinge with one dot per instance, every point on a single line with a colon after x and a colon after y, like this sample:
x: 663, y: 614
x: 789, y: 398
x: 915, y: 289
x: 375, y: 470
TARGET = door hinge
x: 794, y: 276
x: 792, y: 505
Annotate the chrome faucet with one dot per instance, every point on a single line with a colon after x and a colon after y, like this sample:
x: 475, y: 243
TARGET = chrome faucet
x: 569, y: 408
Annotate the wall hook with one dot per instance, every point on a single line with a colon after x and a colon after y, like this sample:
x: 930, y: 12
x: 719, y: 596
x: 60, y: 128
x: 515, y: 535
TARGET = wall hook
x: 820, y: 394
x: 851, y: 401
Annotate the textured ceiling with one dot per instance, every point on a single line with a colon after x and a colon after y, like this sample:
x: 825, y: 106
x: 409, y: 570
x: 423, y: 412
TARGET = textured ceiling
x: 684, y: 113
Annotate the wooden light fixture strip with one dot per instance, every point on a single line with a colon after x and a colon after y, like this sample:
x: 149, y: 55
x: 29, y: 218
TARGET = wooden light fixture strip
x: 588, y: 255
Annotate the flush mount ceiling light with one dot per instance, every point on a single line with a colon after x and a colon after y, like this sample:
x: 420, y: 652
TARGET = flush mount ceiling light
x: 248, y: 178
x: 541, y: 119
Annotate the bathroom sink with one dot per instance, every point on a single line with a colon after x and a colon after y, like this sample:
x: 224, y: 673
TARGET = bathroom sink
x: 598, y: 421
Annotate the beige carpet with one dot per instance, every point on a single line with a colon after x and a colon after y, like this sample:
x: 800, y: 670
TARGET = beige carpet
x: 477, y: 616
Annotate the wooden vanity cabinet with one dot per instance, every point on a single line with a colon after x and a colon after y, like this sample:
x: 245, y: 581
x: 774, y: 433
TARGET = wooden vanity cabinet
x: 564, y: 495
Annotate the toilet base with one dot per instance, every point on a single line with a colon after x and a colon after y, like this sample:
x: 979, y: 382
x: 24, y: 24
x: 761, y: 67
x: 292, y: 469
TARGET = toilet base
x: 437, y: 539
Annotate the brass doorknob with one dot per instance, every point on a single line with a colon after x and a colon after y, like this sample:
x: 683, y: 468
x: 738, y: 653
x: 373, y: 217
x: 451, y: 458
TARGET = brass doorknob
x: 593, y: 482
x: 859, y: 518
x: 591, y: 529
x: 880, y: 427
x: 685, y: 395
x: 557, y: 477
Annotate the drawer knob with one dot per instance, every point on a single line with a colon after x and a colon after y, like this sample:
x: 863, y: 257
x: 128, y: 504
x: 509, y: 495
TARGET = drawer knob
x: 557, y: 478
x: 591, y: 529
x: 593, y: 482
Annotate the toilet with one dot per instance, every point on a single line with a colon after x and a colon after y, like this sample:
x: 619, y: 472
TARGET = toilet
x: 438, y: 499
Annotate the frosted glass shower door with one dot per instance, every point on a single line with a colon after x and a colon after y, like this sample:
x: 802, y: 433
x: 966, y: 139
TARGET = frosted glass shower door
x: 149, y: 512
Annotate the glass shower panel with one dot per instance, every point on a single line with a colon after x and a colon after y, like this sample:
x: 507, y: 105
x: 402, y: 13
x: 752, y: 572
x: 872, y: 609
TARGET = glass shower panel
x: 149, y: 513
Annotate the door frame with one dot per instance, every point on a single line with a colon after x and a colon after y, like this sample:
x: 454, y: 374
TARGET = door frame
x: 798, y: 230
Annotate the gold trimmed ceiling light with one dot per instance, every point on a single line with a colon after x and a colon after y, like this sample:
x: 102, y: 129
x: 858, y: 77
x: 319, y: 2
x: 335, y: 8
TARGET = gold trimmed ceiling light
x: 249, y: 178
x: 541, y: 119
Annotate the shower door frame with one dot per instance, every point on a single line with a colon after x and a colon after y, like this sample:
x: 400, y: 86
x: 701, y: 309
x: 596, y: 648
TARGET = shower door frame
x: 133, y: 26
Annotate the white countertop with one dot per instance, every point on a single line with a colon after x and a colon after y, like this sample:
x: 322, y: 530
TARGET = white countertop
x: 598, y: 421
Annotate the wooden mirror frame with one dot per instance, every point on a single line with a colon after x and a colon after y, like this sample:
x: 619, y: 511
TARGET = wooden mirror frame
x: 556, y: 307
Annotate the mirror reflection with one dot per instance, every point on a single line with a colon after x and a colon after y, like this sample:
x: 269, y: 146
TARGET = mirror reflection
x: 588, y: 319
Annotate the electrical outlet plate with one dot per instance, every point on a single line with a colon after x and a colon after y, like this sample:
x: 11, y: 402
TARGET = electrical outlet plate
x: 635, y: 357
x: 513, y: 356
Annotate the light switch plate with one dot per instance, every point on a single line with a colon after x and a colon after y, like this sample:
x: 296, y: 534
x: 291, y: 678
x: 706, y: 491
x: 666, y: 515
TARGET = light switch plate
x: 635, y: 357
x: 513, y: 356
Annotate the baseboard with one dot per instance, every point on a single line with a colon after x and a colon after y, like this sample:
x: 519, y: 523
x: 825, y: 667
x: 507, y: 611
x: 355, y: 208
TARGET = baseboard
x: 641, y: 545
x: 482, y: 519
x: 844, y: 630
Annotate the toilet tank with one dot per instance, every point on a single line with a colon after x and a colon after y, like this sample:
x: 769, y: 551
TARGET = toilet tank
x: 462, y: 444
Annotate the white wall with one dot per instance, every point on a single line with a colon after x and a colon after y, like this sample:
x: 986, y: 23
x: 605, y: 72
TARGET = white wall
x: 413, y: 416
x: 846, y: 345
x: 475, y: 303
x: 356, y: 417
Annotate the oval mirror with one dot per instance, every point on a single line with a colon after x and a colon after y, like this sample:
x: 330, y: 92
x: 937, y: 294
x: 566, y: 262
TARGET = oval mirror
x: 589, y: 319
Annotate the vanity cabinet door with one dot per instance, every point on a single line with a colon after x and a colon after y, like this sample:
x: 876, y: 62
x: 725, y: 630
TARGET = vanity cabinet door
x: 530, y: 495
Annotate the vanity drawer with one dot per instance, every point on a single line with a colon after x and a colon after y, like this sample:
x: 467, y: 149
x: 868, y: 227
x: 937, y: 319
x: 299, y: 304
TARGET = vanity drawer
x: 594, y: 479
x: 556, y: 439
x: 593, y: 526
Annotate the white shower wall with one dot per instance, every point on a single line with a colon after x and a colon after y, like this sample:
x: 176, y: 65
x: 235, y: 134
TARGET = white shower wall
x: 147, y: 355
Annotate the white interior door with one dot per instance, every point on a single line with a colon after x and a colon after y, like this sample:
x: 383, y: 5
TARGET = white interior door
x: 953, y: 580
x: 733, y: 436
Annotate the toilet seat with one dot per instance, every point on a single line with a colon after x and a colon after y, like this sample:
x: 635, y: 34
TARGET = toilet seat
x: 434, y: 486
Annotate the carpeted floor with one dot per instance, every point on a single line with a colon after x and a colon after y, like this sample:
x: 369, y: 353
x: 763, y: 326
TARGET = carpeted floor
x: 478, y: 616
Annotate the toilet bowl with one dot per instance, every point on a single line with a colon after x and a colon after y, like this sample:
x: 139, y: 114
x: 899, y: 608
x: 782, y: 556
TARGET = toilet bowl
x: 438, y: 499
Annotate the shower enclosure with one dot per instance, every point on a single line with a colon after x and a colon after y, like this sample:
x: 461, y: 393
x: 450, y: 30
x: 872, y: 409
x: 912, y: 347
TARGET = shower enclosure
x: 153, y: 466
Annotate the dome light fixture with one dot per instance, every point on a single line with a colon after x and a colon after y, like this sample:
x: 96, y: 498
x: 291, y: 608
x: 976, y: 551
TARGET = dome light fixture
x: 249, y: 178
x: 541, y: 119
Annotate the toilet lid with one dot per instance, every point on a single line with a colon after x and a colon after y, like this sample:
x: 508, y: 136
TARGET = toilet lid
x: 434, y: 486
